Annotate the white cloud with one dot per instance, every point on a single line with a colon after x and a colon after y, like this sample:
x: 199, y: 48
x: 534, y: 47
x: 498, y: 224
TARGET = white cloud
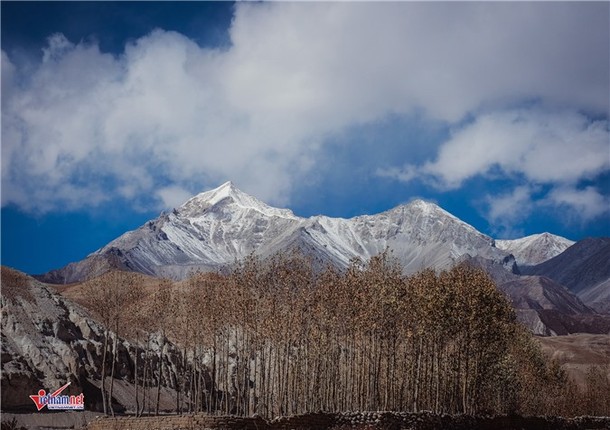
x: 173, y: 196
x: 582, y: 204
x: 86, y: 126
x: 359, y: 60
x: 544, y: 147
x: 558, y: 149
x: 507, y: 209
x: 405, y: 174
x: 58, y: 45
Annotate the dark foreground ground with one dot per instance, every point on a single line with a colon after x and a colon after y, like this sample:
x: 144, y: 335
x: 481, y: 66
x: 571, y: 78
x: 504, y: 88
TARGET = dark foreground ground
x: 341, y: 421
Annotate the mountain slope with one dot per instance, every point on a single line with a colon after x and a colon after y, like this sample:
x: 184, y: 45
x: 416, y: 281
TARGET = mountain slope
x: 539, y: 292
x: 49, y: 339
x: 46, y: 341
x: 535, y: 249
x: 217, y: 227
x: 584, y: 269
x: 546, y: 307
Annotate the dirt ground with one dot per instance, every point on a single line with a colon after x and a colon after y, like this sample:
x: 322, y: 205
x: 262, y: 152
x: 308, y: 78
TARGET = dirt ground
x: 51, y: 420
x: 319, y: 421
x: 577, y: 352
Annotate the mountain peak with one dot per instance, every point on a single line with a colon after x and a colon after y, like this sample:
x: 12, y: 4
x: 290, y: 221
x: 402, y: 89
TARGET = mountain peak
x: 228, y: 193
x: 229, y: 184
x: 214, y: 196
x: 223, y: 224
x: 430, y: 209
x: 536, y: 248
x: 423, y: 205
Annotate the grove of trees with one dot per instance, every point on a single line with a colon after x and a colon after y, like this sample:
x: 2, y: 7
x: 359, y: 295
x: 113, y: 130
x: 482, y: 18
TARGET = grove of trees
x: 279, y: 336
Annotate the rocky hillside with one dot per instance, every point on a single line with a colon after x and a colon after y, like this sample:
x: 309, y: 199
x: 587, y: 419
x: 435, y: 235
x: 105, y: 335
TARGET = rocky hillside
x: 584, y: 269
x: 546, y: 307
x: 48, y: 340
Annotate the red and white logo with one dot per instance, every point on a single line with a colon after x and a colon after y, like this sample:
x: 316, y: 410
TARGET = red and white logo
x: 54, y: 401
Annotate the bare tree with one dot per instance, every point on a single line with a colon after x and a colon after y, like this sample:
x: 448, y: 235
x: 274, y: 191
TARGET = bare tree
x: 283, y: 336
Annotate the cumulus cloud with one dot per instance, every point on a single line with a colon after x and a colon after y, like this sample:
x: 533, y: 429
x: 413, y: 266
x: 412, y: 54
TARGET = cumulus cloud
x: 579, y: 206
x: 582, y: 204
x: 86, y: 126
x: 506, y: 209
x: 559, y: 149
x: 544, y: 147
x: 173, y: 196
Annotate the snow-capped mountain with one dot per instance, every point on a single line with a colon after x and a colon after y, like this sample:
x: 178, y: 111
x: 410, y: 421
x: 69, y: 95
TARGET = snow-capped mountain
x: 220, y: 226
x: 535, y: 249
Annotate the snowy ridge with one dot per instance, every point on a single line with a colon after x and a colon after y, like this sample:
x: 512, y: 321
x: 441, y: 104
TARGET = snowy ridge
x: 535, y: 249
x: 220, y: 226
x: 230, y: 194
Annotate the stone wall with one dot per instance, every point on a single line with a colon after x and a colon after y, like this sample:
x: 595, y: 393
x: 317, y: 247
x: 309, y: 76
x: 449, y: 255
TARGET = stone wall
x: 351, y: 420
x: 171, y: 422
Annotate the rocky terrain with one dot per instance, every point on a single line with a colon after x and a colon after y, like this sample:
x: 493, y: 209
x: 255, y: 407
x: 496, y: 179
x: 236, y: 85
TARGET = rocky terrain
x: 48, y: 340
x: 544, y: 305
x: 577, y: 352
x: 584, y: 269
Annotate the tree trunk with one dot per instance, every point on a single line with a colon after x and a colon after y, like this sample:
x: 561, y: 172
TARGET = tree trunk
x: 161, y: 347
x: 104, y: 403
x: 135, y: 376
x: 114, y: 353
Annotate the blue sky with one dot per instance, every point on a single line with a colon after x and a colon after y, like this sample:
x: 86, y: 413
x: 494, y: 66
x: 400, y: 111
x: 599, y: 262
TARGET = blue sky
x: 115, y: 111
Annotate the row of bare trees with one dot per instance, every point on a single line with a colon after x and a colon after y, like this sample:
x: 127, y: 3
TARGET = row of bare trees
x: 108, y: 296
x: 277, y: 337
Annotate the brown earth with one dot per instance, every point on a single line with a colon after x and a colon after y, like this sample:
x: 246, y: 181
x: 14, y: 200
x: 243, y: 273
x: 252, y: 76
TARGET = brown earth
x: 354, y: 420
x: 320, y: 420
x: 578, y: 352
x: 77, y: 292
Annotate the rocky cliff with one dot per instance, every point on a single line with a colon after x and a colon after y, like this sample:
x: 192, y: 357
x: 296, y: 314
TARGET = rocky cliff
x: 48, y: 340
